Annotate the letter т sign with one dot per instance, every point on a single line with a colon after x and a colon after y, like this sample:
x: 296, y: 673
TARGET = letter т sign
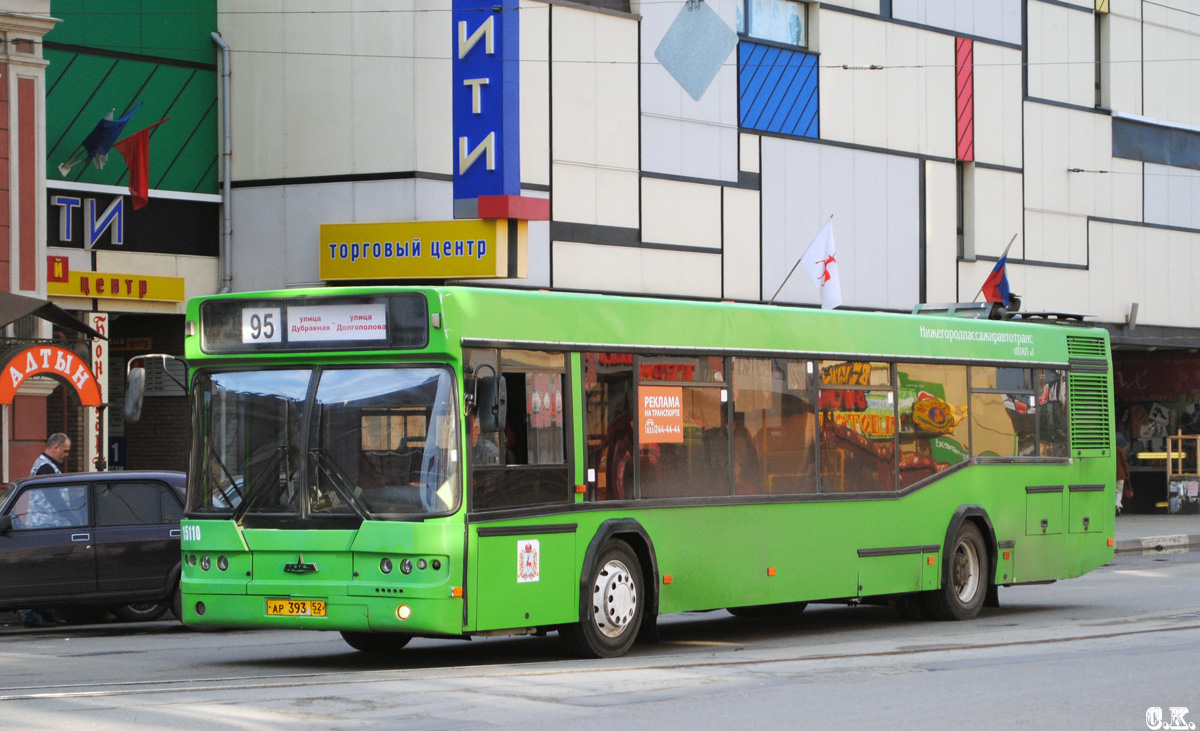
x: 486, y: 101
x: 48, y: 360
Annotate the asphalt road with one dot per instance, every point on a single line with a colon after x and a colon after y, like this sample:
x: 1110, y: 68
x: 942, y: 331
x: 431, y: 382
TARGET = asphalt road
x: 1094, y: 652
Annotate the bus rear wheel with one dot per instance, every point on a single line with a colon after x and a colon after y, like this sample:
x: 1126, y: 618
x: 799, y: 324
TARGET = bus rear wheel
x: 614, y: 609
x: 966, y: 586
x: 376, y: 642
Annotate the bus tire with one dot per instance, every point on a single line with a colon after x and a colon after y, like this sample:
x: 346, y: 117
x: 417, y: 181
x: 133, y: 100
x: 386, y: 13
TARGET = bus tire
x: 382, y: 643
x: 966, y: 586
x: 614, y: 608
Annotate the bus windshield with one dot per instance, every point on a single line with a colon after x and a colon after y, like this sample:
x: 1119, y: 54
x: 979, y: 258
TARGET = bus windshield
x: 310, y: 443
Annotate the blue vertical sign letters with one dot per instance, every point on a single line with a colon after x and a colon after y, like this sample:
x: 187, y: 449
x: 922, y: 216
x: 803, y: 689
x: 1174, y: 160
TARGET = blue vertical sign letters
x: 486, y: 52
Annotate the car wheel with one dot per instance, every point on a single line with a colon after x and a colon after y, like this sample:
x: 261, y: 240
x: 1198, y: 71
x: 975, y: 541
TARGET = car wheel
x: 140, y: 612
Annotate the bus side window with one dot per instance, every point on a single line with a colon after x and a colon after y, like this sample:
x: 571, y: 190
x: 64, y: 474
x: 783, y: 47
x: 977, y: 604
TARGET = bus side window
x: 1003, y: 412
x: 774, y: 427
x: 609, y: 389
x: 528, y: 464
x: 933, y: 425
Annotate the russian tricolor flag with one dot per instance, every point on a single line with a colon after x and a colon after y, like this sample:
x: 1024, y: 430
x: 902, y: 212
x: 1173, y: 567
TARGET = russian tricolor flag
x: 995, y: 287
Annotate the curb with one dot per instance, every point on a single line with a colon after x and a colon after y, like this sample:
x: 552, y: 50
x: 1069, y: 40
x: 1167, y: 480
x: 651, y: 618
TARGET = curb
x: 1179, y: 542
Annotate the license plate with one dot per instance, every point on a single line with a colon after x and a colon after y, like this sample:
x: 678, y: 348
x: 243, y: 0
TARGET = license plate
x: 296, y: 608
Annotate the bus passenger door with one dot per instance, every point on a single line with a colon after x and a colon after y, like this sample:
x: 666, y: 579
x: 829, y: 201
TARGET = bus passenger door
x: 524, y: 567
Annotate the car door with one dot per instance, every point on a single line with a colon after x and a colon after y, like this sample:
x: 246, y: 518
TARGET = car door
x: 137, y: 535
x: 49, y: 551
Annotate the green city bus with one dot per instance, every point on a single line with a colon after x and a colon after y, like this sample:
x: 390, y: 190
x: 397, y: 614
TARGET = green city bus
x: 398, y: 462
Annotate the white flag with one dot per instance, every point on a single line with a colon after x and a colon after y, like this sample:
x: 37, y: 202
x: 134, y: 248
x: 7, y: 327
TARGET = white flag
x: 820, y: 261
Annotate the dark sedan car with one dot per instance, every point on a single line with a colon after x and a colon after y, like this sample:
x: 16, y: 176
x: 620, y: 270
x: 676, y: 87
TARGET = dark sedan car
x: 92, y: 541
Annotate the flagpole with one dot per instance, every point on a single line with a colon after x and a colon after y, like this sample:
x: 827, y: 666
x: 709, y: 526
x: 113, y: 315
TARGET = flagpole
x: 789, y: 276
x: 1006, y: 248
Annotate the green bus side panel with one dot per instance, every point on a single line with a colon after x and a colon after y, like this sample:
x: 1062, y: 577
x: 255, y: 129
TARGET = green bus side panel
x: 891, y: 574
x: 1004, y: 566
x: 1043, y: 513
x: 1089, y: 509
x: 525, y: 580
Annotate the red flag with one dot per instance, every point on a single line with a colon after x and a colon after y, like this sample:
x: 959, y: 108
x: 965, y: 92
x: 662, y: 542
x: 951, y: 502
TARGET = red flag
x: 136, y: 150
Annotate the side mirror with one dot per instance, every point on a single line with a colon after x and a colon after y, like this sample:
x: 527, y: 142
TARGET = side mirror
x: 135, y: 382
x: 135, y: 391
x: 5, y: 524
x: 491, y: 403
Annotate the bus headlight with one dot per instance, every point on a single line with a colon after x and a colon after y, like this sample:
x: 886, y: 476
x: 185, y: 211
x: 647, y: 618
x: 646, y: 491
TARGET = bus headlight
x: 385, y: 565
x: 403, y: 612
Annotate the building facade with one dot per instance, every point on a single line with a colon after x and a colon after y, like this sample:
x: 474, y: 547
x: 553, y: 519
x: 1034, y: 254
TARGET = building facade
x: 694, y: 148
x: 115, y: 227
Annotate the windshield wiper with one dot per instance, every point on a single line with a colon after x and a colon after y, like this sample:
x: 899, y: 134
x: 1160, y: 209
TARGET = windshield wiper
x: 212, y: 453
x: 338, y: 479
x: 256, y: 489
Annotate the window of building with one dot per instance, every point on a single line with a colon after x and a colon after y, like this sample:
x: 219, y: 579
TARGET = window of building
x: 780, y: 21
x: 525, y: 463
x: 774, y: 427
x: 934, y: 433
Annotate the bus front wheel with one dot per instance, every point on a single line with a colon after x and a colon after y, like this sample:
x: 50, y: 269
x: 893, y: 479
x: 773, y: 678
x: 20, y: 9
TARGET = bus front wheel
x: 376, y: 642
x: 966, y: 585
x: 614, y: 609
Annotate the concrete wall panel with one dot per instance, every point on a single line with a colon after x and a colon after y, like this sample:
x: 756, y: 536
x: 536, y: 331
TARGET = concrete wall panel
x: 1061, y: 54
x: 873, y: 199
x: 1171, y: 45
x: 636, y: 270
x: 682, y: 135
x: 941, y: 234
x: 535, y: 93
x: 742, y: 258
x: 997, y: 77
x: 681, y: 213
x: 595, y: 108
x: 998, y: 20
x: 908, y: 105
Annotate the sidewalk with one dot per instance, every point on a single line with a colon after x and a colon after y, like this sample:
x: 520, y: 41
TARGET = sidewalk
x: 1137, y: 533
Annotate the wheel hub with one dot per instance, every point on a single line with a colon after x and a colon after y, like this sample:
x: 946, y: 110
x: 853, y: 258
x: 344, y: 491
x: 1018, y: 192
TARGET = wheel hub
x: 614, y: 599
x: 966, y: 572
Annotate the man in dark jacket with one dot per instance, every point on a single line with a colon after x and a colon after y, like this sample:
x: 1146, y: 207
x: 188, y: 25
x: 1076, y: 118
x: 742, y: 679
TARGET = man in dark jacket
x: 52, y: 461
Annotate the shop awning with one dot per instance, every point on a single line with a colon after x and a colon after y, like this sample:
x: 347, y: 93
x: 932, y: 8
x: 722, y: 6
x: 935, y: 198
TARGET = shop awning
x: 15, y: 306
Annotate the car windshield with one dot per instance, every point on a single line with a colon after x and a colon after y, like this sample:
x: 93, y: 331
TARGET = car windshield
x: 306, y: 444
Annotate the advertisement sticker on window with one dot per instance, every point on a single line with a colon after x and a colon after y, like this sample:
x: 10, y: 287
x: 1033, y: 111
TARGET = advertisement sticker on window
x: 660, y: 414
